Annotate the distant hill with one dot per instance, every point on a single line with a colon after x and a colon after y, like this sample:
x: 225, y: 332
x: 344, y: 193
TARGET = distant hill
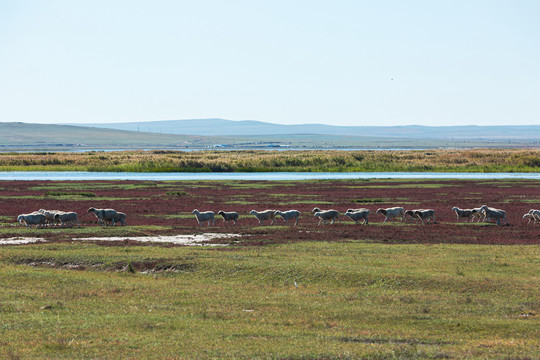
x: 222, y: 127
x: 24, y: 135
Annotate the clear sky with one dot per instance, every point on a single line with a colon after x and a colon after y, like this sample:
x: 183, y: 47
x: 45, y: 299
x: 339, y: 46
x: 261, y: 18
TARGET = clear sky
x: 340, y: 62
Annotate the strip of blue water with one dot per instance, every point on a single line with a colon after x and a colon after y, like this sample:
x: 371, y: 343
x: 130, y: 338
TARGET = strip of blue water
x: 81, y: 175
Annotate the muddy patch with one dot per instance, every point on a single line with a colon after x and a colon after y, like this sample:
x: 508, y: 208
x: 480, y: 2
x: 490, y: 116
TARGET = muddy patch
x: 145, y: 266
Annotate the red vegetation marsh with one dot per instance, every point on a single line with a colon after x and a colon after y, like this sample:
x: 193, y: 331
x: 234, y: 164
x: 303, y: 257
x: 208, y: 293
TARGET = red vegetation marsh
x: 169, y: 204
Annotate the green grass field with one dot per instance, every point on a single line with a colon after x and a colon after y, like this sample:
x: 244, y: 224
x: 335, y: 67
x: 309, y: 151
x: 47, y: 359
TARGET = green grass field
x: 315, y: 300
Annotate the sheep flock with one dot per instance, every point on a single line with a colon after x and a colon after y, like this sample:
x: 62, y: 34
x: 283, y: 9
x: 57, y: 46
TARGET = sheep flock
x: 57, y: 218
x: 109, y: 217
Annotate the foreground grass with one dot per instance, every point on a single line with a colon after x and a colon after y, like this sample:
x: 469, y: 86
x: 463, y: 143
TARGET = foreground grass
x: 290, y: 161
x: 305, y: 300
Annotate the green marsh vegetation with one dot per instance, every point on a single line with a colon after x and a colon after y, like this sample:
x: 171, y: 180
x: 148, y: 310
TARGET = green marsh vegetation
x: 492, y: 160
x: 313, y: 300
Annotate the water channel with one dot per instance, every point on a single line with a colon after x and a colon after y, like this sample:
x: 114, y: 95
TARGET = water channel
x: 275, y: 176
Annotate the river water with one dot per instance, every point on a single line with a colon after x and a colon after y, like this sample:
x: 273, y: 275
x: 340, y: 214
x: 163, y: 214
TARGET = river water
x: 82, y: 175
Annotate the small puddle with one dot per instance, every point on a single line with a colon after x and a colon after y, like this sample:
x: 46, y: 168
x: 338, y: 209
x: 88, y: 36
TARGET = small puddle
x: 190, y: 240
x: 20, y: 240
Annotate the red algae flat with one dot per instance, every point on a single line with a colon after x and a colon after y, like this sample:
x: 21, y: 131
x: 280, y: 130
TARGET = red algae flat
x: 170, y: 205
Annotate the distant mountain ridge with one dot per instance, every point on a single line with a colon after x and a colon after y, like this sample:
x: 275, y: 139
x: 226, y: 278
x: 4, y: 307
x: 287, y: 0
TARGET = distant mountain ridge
x: 222, y: 127
x: 29, y: 137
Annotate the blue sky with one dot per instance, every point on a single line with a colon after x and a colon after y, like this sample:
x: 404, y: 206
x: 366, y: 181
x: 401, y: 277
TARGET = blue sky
x: 376, y: 62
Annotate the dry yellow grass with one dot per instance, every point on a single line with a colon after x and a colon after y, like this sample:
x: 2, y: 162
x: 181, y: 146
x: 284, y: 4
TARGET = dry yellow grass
x: 481, y: 160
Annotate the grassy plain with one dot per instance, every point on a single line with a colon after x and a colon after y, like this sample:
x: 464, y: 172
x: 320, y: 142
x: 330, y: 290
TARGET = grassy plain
x: 394, y: 291
x: 314, y: 300
x: 291, y: 161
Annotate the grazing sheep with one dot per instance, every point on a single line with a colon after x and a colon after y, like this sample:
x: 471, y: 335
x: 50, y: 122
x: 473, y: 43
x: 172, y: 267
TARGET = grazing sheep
x: 229, y: 216
x: 536, y: 214
x: 264, y: 215
x: 32, y: 219
x: 410, y: 215
x: 287, y: 215
x: 530, y: 217
x: 50, y: 215
x: 492, y: 213
x: 425, y: 214
x: 463, y: 213
x: 204, y: 216
x: 354, y: 210
x: 118, y: 217
x: 103, y: 215
x: 391, y: 213
x: 477, y: 214
x: 358, y: 214
x: 325, y: 215
x: 67, y: 217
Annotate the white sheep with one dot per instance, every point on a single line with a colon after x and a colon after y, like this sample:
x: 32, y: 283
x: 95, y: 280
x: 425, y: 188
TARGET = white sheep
x: 204, y: 216
x: 68, y: 218
x: 325, y: 215
x: 492, y: 213
x: 50, y: 215
x: 264, y: 215
x: 410, y: 215
x: 425, y: 214
x: 229, y: 216
x: 477, y: 214
x: 118, y: 217
x: 32, y: 219
x: 358, y: 214
x: 103, y: 215
x: 530, y: 217
x: 536, y: 214
x: 391, y: 213
x: 287, y: 215
x: 463, y: 213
